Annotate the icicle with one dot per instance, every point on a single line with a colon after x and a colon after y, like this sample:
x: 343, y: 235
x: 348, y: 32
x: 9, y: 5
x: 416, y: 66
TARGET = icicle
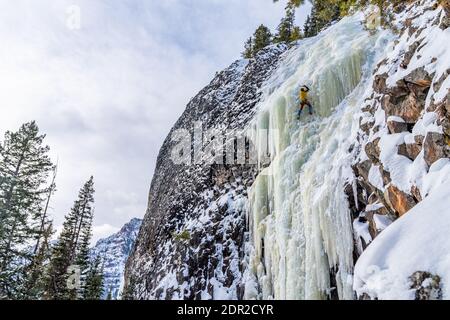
x: 299, y: 216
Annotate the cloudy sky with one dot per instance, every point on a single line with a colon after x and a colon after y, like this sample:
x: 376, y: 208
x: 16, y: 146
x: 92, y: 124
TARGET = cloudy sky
x: 107, y: 79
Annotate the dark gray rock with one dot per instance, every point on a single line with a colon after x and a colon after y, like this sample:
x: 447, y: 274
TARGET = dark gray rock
x: 396, y: 126
x: 373, y: 150
x: 426, y: 285
x: 178, y: 254
x: 435, y: 147
x: 412, y: 150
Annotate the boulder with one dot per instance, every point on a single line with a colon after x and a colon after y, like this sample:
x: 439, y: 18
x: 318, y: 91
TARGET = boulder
x: 442, y: 108
x: 404, y: 106
x: 419, y: 83
x: 411, y: 50
x: 426, y: 285
x: 416, y: 193
x: 413, y: 150
x: 373, y: 150
x: 419, y: 77
x: 407, y: 98
x: 373, y: 198
x: 445, y: 22
x: 361, y: 169
x: 438, y: 84
x: 398, y: 93
x: 419, y: 139
x: 374, y: 230
x: 398, y: 200
x: 370, y: 107
x: 379, y: 84
x: 435, y: 147
x: 356, y: 204
x: 446, y: 127
x: 402, y: 150
x: 396, y: 126
x: 385, y: 175
x: 366, y: 126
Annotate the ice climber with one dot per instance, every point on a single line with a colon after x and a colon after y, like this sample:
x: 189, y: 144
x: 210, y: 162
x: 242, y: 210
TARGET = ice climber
x: 303, y: 95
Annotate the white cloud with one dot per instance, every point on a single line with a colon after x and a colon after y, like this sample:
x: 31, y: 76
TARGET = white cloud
x: 108, y: 94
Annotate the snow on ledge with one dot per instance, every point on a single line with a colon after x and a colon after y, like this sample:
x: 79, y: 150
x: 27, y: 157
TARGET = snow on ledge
x: 419, y: 241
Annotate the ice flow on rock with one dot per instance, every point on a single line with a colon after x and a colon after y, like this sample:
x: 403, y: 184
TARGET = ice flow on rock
x: 300, y: 224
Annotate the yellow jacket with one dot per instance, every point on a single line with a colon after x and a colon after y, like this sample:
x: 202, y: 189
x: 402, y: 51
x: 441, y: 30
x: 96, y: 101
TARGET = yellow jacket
x: 303, y: 95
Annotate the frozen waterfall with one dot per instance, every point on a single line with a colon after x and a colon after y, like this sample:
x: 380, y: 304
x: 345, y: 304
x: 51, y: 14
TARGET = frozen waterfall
x: 299, y: 219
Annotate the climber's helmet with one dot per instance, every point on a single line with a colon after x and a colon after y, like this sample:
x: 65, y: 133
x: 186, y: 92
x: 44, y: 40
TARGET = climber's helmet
x: 304, y: 89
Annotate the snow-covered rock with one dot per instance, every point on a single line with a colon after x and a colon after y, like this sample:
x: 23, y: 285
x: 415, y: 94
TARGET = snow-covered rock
x: 356, y: 178
x: 419, y: 241
x: 410, y: 87
x: 114, y: 252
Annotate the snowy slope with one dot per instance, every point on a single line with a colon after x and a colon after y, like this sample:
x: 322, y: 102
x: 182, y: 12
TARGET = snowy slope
x: 412, y: 161
x: 114, y: 251
x: 417, y: 242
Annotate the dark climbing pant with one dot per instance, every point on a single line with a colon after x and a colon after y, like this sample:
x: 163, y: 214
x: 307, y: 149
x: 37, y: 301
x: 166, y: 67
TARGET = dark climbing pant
x: 302, y: 106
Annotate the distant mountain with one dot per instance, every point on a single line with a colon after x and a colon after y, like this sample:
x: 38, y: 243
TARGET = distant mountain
x: 115, y: 251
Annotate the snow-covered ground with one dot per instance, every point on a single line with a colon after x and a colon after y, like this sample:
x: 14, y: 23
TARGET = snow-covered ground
x: 419, y: 241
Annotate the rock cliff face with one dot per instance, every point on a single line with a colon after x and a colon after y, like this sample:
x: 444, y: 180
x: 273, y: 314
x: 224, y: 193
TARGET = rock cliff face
x: 284, y: 229
x: 191, y: 245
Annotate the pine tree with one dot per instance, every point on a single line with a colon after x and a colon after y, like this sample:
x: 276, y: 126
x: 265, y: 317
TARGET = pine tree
x: 82, y: 259
x: 24, y: 170
x: 248, y: 49
x: 327, y: 12
x: 293, y: 3
x: 59, y: 264
x: 322, y: 14
x: 36, y: 272
x: 44, y: 220
x: 313, y: 23
x: 72, y: 248
x: 261, y: 39
x: 286, y: 27
x: 307, y: 30
x: 296, y: 34
x: 93, y: 286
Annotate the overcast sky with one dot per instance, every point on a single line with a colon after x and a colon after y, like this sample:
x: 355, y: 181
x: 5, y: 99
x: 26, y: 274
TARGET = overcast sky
x: 107, y: 91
